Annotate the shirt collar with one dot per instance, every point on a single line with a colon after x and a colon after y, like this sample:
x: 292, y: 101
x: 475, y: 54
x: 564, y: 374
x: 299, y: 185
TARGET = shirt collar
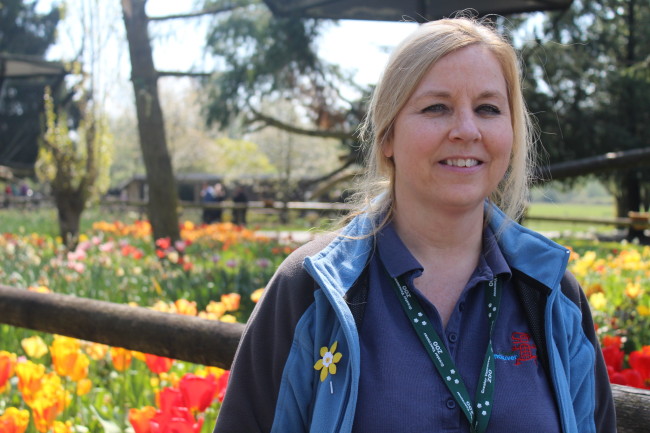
x: 398, y: 260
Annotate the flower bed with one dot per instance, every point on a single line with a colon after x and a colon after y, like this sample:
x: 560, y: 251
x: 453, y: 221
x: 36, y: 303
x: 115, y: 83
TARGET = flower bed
x: 615, y: 278
x: 59, y: 384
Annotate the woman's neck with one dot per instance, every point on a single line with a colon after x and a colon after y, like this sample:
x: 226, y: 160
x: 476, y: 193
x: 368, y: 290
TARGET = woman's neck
x: 436, y: 236
x: 448, y: 247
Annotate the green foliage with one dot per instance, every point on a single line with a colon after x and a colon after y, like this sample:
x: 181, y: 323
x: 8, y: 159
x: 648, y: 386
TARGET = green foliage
x: 77, y: 163
x: 268, y: 58
x: 587, y: 82
x: 25, y: 31
x: 237, y: 158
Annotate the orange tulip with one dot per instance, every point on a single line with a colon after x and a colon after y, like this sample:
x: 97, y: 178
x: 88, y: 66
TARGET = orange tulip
x: 7, y: 367
x: 121, y: 358
x: 45, y: 411
x: 84, y: 386
x: 185, y: 307
x: 14, y: 420
x: 68, y: 359
x: 139, y: 419
x: 231, y: 301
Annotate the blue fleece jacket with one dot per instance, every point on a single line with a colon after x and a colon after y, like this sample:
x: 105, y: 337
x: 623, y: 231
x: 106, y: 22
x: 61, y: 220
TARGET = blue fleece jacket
x: 305, y: 320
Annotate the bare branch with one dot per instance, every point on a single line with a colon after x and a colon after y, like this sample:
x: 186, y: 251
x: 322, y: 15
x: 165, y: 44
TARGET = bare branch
x: 183, y: 74
x: 207, y: 11
x: 271, y: 121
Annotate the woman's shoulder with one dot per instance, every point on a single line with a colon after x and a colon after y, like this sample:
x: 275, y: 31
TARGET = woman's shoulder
x: 293, y: 264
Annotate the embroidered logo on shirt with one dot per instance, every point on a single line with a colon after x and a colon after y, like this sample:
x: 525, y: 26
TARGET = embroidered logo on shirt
x: 327, y: 363
x: 522, y: 349
x: 522, y: 345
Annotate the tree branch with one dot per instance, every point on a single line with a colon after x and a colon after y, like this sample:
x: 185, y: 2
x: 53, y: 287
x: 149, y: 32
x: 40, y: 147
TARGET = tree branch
x: 206, y: 11
x: 270, y: 121
x: 183, y: 74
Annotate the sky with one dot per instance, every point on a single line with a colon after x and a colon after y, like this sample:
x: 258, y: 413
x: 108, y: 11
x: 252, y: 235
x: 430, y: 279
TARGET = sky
x: 359, y: 47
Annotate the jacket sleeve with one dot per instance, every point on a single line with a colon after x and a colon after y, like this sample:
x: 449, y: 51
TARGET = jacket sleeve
x: 255, y: 377
x: 604, y: 414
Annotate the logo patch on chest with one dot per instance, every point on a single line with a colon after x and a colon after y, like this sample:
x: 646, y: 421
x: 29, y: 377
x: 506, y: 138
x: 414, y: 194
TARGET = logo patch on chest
x: 522, y: 349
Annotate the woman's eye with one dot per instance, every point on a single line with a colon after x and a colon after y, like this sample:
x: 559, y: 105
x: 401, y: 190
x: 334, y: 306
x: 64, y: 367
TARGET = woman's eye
x: 488, y: 109
x: 435, y: 108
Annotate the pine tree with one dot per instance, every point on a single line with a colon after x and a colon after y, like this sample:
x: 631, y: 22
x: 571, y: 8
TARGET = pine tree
x: 589, y: 87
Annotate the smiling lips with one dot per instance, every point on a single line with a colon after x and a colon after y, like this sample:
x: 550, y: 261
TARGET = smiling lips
x: 461, y: 162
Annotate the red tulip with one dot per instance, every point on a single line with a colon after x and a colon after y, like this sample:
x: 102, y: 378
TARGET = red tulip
x: 163, y: 243
x: 169, y: 398
x: 177, y: 420
x: 158, y: 364
x: 222, y: 383
x: 613, y: 356
x: 198, y: 392
x: 640, y: 361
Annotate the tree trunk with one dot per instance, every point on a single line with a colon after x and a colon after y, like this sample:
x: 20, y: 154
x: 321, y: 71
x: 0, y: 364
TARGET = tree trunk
x: 69, y: 206
x: 629, y: 200
x: 163, y: 196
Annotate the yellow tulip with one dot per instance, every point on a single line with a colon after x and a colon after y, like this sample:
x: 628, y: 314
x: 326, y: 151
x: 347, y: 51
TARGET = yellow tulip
x: 633, y: 290
x: 30, y: 376
x: 96, y: 351
x: 34, y: 346
x: 257, y: 294
x: 598, y: 301
x: 643, y: 310
x: 215, y: 308
x: 62, y: 427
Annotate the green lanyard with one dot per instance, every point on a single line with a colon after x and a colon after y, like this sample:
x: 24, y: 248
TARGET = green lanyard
x: 478, y: 415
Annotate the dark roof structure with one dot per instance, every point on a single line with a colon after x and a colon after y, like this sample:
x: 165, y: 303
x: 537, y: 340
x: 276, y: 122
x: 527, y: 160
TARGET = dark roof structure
x: 29, y: 67
x: 409, y: 10
x: 22, y: 80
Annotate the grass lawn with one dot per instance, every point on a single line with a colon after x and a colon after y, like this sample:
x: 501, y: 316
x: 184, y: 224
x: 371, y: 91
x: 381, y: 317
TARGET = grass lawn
x: 569, y: 210
x: 43, y: 220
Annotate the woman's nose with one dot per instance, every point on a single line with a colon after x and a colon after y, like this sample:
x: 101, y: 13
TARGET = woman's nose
x: 464, y: 128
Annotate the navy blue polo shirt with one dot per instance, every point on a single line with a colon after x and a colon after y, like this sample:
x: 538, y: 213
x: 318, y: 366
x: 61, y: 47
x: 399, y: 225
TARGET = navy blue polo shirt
x: 400, y: 389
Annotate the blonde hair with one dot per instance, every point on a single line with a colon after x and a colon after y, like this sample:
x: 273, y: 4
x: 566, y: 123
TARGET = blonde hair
x: 408, y: 63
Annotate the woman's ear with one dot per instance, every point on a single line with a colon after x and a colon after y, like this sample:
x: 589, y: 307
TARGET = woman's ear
x: 387, y: 148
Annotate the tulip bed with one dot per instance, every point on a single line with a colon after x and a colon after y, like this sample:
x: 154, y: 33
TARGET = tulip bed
x: 51, y: 383
x: 615, y: 278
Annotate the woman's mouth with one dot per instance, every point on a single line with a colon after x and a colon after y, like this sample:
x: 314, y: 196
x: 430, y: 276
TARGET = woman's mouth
x: 469, y: 162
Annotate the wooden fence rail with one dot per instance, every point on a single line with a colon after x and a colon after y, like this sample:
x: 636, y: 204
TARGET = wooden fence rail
x: 188, y: 338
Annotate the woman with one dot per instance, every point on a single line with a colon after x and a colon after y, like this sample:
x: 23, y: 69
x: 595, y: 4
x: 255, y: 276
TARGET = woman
x: 431, y: 310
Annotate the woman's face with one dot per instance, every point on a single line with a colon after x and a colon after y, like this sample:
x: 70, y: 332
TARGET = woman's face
x: 452, y: 140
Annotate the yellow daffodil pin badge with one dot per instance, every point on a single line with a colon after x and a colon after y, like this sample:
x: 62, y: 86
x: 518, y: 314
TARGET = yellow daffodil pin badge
x: 327, y: 363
